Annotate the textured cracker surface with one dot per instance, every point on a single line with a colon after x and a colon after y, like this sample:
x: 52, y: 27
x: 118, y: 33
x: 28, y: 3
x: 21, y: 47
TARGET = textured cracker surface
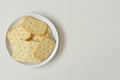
x: 35, y: 26
x: 38, y: 38
x: 24, y: 52
x: 46, y: 47
x: 18, y: 33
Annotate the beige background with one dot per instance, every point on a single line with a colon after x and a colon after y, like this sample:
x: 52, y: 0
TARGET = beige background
x: 90, y: 39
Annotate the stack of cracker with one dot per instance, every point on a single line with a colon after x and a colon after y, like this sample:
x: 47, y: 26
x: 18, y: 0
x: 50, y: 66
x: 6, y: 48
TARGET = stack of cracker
x: 31, y: 41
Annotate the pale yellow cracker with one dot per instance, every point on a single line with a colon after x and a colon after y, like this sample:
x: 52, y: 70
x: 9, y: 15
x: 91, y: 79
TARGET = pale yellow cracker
x: 24, y: 51
x: 46, y: 47
x: 38, y: 38
x: 18, y: 33
x: 35, y: 26
x: 48, y: 33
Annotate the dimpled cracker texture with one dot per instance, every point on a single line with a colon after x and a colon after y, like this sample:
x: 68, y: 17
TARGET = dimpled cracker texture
x: 38, y: 38
x: 35, y: 26
x: 46, y: 47
x: 18, y: 33
x: 24, y: 52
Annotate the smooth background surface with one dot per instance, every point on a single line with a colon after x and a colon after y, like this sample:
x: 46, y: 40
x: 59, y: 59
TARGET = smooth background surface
x: 90, y: 39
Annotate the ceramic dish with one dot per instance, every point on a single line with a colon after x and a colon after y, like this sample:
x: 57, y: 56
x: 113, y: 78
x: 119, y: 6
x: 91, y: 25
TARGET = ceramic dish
x: 54, y: 35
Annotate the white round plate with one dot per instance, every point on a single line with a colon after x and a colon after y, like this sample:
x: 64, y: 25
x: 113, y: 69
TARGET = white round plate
x: 54, y: 35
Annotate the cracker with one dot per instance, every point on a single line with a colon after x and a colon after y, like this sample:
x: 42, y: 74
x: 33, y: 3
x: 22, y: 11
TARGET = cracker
x: 24, y: 51
x: 46, y: 47
x: 18, y: 33
x: 35, y: 26
x: 48, y: 33
x: 38, y: 38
